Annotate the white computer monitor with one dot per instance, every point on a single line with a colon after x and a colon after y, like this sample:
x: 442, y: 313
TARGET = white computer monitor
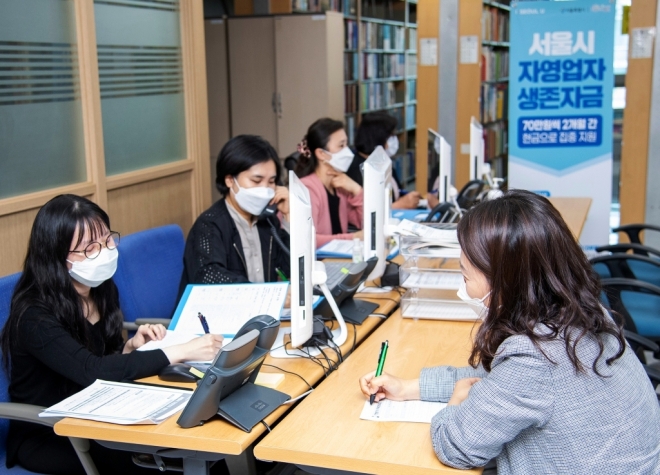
x: 302, y: 255
x: 477, y: 150
x: 377, y: 186
x: 440, y: 149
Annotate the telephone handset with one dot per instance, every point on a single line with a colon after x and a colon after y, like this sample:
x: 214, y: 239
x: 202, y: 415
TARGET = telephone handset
x: 270, y: 210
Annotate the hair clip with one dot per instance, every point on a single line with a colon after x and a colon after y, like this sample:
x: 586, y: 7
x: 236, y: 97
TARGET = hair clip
x: 303, y: 149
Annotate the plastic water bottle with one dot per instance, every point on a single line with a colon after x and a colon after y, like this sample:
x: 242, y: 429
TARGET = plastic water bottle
x: 357, y: 250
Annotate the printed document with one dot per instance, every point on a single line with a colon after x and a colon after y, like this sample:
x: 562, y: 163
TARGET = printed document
x: 401, y: 411
x: 227, y: 307
x: 429, y: 233
x: 433, y: 280
x: 121, y: 403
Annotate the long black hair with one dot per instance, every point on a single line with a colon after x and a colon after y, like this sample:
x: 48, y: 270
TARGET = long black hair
x: 317, y: 136
x: 242, y: 153
x: 46, y: 283
x: 374, y: 130
x: 537, y: 274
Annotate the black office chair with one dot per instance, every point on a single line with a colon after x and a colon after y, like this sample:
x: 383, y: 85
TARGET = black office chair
x: 627, y: 266
x: 470, y: 194
x: 633, y: 230
x: 443, y: 213
x: 638, y: 249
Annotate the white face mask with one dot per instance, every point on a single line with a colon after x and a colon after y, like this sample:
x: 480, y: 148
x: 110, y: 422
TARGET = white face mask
x: 253, y: 200
x: 477, y: 305
x: 341, y: 160
x: 93, y: 272
x: 392, y: 146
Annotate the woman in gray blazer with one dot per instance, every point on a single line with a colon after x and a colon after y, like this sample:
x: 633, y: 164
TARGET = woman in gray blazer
x: 552, y: 386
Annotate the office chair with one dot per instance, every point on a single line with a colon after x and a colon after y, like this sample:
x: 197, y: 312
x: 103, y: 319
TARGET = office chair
x: 637, y: 302
x: 627, y: 266
x: 638, y: 249
x: 633, y: 230
x: 470, y: 194
x: 148, y: 275
x: 26, y: 412
x: 443, y: 213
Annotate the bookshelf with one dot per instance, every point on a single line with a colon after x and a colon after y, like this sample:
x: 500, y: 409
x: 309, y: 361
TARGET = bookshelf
x: 494, y: 96
x: 381, y: 71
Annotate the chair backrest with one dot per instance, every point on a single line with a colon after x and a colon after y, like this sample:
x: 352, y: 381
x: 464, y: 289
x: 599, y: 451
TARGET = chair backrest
x: 149, y: 271
x: 628, y: 266
x: 638, y: 302
x: 7, y: 285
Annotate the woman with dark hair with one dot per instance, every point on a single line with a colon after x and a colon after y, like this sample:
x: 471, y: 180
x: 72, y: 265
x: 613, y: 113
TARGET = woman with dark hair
x: 379, y: 129
x: 552, y: 387
x: 233, y: 241
x: 64, y: 332
x: 336, y: 198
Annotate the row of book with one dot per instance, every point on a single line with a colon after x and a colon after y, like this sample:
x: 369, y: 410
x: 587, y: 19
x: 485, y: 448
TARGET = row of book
x: 351, y: 98
x: 412, y: 39
x: 410, y: 116
x: 412, y: 90
x: 351, y: 34
x: 411, y: 65
x: 496, y: 137
x: 317, y: 5
x: 378, y: 65
x: 404, y: 167
x: 494, y: 24
x: 379, y: 95
x: 394, y: 10
x: 494, y: 64
x: 385, y: 37
x: 494, y: 98
x: 351, y: 67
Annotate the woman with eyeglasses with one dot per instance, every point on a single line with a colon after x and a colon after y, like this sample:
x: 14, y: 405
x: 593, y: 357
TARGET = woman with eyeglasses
x: 64, y: 331
x: 337, y: 200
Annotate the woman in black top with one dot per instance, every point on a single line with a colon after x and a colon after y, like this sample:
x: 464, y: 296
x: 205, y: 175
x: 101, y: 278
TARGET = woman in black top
x: 64, y: 332
x: 232, y: 241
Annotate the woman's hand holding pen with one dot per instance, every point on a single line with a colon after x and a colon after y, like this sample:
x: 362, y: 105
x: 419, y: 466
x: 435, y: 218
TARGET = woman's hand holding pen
x: 143, y: 334
x: 390, y: 387
x: 203, y: 348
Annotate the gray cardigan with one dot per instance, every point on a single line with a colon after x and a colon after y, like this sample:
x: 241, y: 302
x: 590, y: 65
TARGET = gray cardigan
x: 537, y: 417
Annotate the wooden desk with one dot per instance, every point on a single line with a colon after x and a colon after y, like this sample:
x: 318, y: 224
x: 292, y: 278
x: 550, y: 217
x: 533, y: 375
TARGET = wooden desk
x: 218, y: 436
x: 325, y: 430
x: 574, y: 211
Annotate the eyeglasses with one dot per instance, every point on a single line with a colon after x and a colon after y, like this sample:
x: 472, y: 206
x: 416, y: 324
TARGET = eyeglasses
x: 93, y: 249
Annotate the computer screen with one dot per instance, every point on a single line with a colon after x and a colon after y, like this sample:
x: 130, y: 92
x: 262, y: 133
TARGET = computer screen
x: 477, y: 149
x: 442, y: 156
x: 377, y: 203
x: 302, y: 255
x: 433, y: 159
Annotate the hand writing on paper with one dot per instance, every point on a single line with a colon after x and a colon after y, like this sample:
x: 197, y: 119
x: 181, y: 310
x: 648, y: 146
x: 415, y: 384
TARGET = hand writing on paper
x: 390, y: 387
x: 461, y: 390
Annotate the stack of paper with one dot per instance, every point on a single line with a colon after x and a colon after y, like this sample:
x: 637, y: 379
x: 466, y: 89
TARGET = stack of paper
x: 401, y: 411
x: 433, y: 280
x: 121, y: 403
x: 343, y: 249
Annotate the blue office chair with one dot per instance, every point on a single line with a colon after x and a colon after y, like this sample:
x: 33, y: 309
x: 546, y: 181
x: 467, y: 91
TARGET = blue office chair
x: 633, y: 230
x: 637, y: 302
x: 623, y: 248
x: 148, y: 275
x: 26, y: 412
x: 628, y: 266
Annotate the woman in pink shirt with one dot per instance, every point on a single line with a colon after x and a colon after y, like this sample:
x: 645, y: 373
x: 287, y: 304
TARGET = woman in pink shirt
x: 336, y: 198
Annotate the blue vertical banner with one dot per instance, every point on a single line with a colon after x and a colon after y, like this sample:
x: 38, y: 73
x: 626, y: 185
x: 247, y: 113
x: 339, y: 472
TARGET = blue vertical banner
x: 560, y: 104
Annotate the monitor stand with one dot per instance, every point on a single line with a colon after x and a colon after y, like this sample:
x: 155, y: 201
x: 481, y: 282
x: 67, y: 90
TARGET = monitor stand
x: 280, y: 351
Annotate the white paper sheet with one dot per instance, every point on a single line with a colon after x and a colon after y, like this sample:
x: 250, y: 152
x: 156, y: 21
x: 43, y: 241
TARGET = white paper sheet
x: 401, y: 411
x: 337, y: 246
x: 121, y: 403
x: 228, y: 307
x: 438, y: 311
x: 171, y: 338
x: 429, y: 233
x: 433, y: 280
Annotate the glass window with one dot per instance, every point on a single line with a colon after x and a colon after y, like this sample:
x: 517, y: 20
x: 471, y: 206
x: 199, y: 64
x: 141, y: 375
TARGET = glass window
x: 41, y: 131
x: 140, y: 69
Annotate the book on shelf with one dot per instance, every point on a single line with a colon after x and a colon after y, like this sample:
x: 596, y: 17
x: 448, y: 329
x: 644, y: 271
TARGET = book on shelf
x: 412, y: 39
x: 379, y: 95
x: 412, y: 89
x: 351, y: 34
x: 384, y: 10
x: 378, y: 65
x: 385, y: 37
x: 350, y: 98
x: 351, y: 67
x: 494, y: 64
x: 349, y: 7
x: 496, y: 145
x: 317, y: 5
x: 494, y: 24
x: 410, y: 116
x: 411, y: 65
x: 494, y: 98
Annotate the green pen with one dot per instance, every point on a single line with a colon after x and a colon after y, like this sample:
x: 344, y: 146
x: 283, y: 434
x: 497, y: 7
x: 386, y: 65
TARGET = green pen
x: 381, y: 364
x: 281, y: 274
